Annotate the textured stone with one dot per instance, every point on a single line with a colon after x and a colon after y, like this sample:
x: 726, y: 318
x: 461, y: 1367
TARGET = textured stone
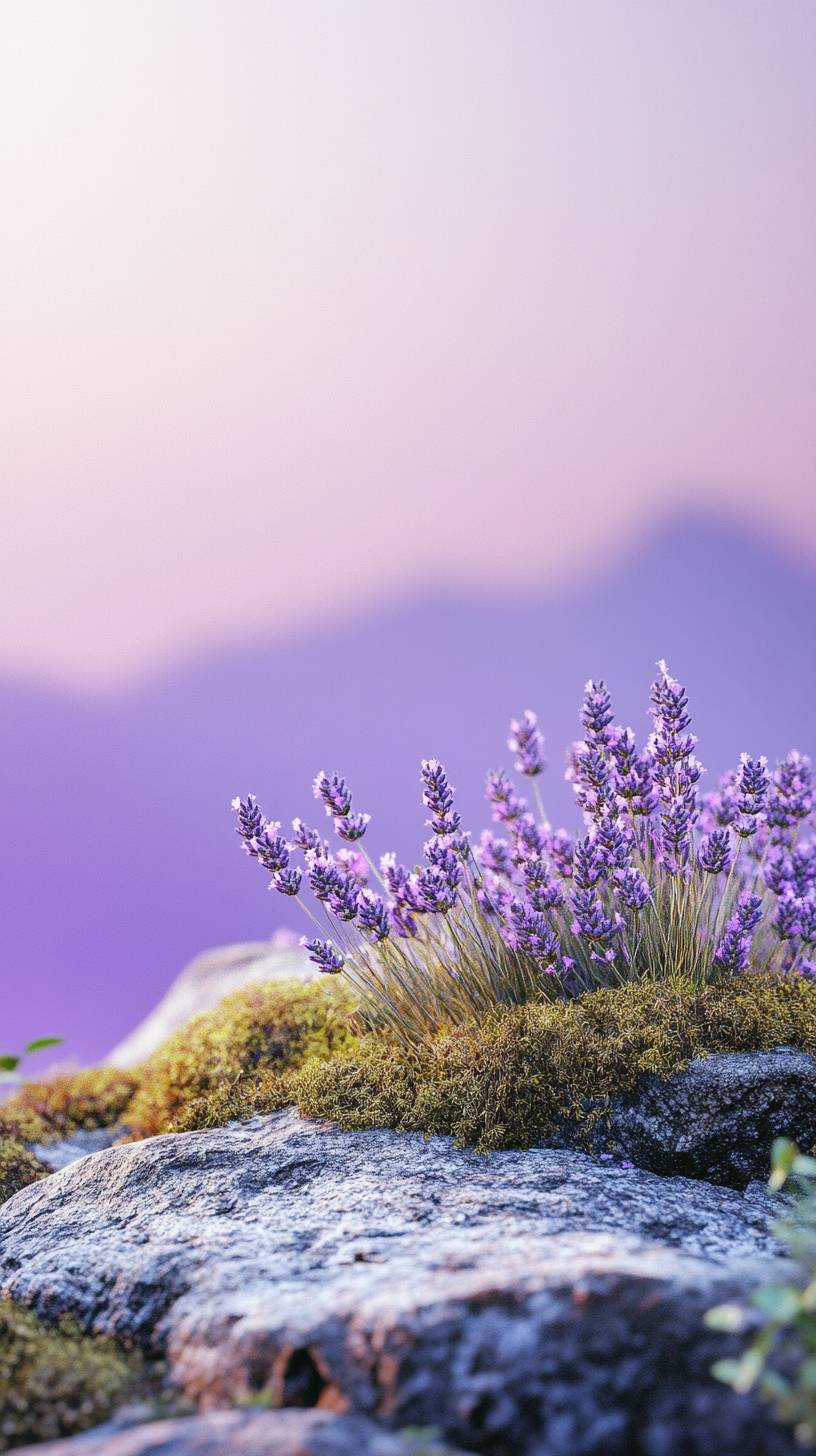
x: 718, y: 1117
x: 205, y: 982
x: 538, y: 1302
x: 246, y: 1433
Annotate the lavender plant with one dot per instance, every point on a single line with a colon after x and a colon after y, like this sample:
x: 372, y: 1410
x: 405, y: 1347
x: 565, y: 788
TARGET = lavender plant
x: 660, y: 881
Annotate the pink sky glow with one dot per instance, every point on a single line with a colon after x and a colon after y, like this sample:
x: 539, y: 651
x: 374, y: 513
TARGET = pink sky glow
x: 303, y: 303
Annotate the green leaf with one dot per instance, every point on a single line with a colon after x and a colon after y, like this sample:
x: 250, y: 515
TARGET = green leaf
x: 780, y: 1302
x: 783, y: 1156
x: 728, y: 1317
x: 804, y: 1166
x: 44, y: 1041
x: 727, y: 1371
x: 8, y: 1064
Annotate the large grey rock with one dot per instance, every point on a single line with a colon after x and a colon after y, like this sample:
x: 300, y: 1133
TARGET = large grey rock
x: 247, y: 1433
x: 717, y: 1118
x: 537, y: 1302
x: 205, y: 982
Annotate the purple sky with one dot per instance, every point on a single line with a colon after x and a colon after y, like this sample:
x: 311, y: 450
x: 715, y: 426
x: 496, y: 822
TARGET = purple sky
x: 304, y: 303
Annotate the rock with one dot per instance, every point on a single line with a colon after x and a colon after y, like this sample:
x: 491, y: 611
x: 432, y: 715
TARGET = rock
x: 79, y: 1145
x: 718, y: 1117
x: 538, y: 1303
x: 205, y: 982
x: 246, y: 1433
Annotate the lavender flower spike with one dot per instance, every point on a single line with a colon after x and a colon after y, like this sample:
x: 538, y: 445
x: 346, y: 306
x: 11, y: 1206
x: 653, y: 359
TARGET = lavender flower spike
x: 250, y: 821
x: 715, y: 853
x: 372, y: 916
x: 324, y: 955
x: 287, y: 882
x: 437, y: 795
x: 334, y: 793
x: 596, y: 714
x: 632, y: 888
x: 733, y: 952
x: 352, y: 826
x: 499, y: 791
x: 527, y: 742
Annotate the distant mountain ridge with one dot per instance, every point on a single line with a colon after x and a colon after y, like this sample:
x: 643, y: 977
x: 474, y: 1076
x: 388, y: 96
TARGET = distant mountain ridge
x: 119, y: 862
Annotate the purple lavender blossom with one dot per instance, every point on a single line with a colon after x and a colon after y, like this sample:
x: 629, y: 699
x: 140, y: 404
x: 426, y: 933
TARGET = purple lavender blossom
x: 791, y: 796
x: 352, y: 826
x: 715, y: 853
x: 527, y: 743
x: 675, y: 828
x: 596, y: 714
x: 250, y: 821
x: 808, y: 918
x: 751, y: 790
x: 734, y: 950
x: 438, y: 797
x: 542, y: 890
x: 803, y: 867
x: 402, y: 921
x: 339, y: 891
x: 334, y: 793
x: 399, y: 882
x: 324, y: 955
x: 788, y: 918
x: 442, y: 856
x: 588, y: 866
x: 493, y: 896
x: 777, y: 870
x: 287, y: 882
x: 560, y: 847
x: 494, y: 854
x: 309, y: 840
x: 529, y: 931
x: 436, y: 893
x: 271, y: 849
x: 354, y: 863
x: 499, y: 791
x: 719, y: 809
x: 613, y: 845
x: 632, y: 888
x: 591, y: 778
x: 591, y: 921
x: 372, y: 917
x: 528, y: 838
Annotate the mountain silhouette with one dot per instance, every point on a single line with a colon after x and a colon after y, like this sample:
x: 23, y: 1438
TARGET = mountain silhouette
x: 119, y: 860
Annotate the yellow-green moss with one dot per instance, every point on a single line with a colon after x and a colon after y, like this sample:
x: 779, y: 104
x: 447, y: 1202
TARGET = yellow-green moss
x: 511, y: 1079
x: 54, y: 1381
x: 18, y: 1168
x: 46, y: 1111
x: 203, y: 1074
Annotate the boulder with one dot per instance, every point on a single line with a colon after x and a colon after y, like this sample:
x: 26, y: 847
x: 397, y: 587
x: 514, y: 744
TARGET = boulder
x: 718, y: 1117
x: 538, y: 1303
x: 246, y: 1433
x: 205, y: 982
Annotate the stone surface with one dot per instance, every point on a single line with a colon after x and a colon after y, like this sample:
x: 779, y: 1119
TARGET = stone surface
x: 205, y: 982
x: 246, y: 1433
x: 70, y: 1150
x: 717, y: 1118
x: 538, y: 1303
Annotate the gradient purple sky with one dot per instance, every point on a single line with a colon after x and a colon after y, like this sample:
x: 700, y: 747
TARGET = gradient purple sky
x: 304, y: 303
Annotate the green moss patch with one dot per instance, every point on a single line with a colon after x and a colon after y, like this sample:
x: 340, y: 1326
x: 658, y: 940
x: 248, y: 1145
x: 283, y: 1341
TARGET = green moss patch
x: 54, y: 1381
x: 519, y: 1074
x: 18, y: 1168
x: 238, y: 1059
x: 57, y: 1108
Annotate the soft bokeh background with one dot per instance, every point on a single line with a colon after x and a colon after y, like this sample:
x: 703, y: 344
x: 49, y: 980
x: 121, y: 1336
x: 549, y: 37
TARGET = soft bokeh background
x: 369, y: 371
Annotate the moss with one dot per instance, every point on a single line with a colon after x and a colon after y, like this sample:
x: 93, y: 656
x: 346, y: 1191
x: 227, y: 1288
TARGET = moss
x: 54, y: 1381
x: 18, y: 1168
x: 62, y: 1105
x: 521, y: 1072
x: 228, y: 1062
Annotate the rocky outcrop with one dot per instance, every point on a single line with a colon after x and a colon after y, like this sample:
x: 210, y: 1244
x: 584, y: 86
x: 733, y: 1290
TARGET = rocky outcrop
x: 539, y: 1302
x: 718, y: 1117
x: 248, y: 1433
x: 205, y: 982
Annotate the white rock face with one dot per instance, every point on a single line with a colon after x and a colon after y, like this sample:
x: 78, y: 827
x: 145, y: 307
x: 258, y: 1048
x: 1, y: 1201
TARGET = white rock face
x: 205, y: 982
x: 538, y: 1303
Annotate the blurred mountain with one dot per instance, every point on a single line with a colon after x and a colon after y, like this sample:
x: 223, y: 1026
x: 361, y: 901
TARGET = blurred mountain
x: 118, y: 858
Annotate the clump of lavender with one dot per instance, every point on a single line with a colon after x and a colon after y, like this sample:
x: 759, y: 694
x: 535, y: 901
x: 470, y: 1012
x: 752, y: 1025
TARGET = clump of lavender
x: 662, y: 880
